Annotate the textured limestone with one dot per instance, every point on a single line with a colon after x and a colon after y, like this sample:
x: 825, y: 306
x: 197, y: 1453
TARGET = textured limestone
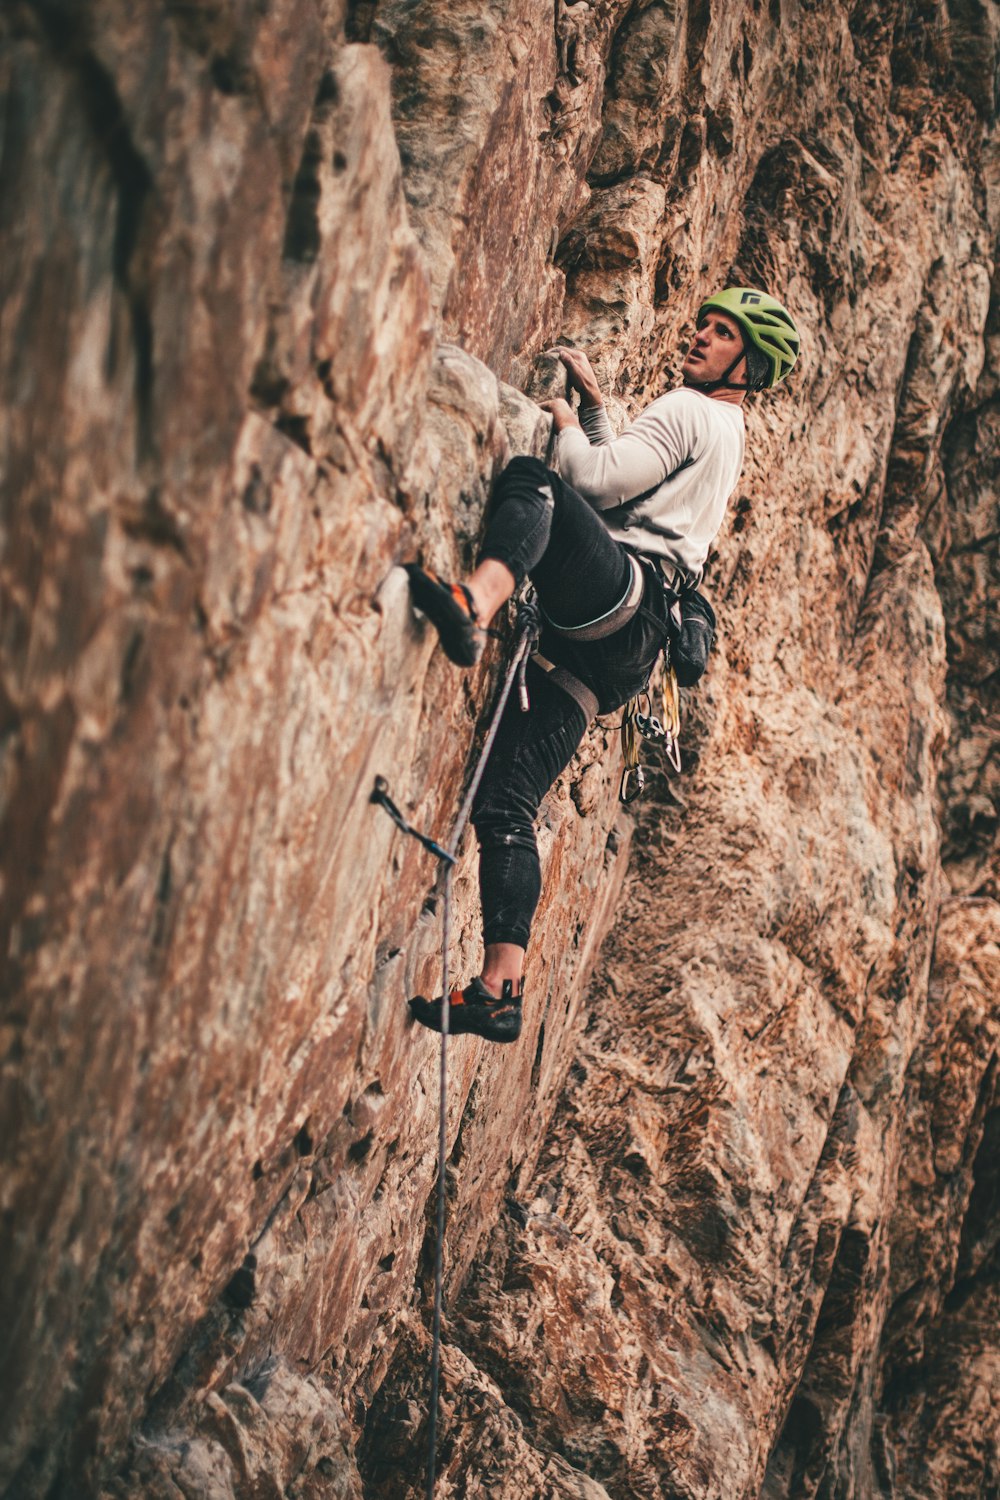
x: 209, y: 655
x: 970, y: 583
x: 942, y: 1364
x: 262, y: 332
x: 692, y: 1299
x: 277, y: 1434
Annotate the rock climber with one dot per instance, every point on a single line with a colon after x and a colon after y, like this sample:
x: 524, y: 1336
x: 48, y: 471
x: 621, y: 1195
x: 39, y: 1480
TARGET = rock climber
x: 599, y: 538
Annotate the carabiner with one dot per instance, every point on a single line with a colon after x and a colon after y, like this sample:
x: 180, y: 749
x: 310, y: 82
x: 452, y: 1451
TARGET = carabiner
x: 627, y: 793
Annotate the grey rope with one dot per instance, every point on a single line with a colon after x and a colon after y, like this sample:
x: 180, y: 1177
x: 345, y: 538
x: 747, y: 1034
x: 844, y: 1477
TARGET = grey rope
x: 527, y: 626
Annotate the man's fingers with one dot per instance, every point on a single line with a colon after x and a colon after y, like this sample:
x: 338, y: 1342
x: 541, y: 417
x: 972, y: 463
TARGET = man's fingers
x: 561, y: 412
x: 578, y: 366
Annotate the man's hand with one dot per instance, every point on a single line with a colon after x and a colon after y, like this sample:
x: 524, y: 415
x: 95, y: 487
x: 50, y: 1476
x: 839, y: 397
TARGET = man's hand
x: 563, y: 414
x: 581, y: 375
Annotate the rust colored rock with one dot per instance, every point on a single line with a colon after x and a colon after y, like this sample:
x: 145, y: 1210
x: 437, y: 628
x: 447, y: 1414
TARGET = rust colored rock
x: 277, y: 1433
x: 940, y: 1360
x: 723, y: 1224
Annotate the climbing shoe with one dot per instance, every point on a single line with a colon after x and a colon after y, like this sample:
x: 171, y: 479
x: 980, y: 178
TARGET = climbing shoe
x: 474, y: 1009
x: 451, y: 611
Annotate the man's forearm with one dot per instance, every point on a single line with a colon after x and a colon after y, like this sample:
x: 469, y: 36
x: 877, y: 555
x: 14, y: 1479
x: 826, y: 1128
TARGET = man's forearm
x: 596, y: 424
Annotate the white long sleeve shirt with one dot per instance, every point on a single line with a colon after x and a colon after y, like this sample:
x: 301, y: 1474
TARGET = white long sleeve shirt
x: 683, y: 453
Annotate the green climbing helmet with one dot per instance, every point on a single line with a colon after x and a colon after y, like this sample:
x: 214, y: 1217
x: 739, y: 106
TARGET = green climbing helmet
x: 766, y: 323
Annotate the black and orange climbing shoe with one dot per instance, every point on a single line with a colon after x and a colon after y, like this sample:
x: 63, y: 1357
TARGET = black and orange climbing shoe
x: 450, y: 609
x: 474, y: 1009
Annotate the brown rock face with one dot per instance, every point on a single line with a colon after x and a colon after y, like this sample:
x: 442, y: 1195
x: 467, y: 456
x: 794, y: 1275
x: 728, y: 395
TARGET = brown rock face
x: 725, y: 1223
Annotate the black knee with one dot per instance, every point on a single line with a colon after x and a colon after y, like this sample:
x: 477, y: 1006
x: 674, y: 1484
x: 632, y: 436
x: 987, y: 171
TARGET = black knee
x: 526, y: 477
x: 524, y: 465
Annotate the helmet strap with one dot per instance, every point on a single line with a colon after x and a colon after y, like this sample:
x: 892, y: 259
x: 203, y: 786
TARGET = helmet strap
x: 723, y: 383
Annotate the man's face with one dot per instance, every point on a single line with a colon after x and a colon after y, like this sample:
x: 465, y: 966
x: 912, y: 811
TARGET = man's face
x: 716, y: 344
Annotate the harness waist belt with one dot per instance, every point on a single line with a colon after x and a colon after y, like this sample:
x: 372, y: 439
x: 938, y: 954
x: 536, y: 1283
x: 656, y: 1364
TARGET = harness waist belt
x: 614, y: 619
x: 569, y: 683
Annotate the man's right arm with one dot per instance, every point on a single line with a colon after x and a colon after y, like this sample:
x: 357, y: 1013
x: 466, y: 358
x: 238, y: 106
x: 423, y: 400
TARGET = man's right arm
x: 583, y: 379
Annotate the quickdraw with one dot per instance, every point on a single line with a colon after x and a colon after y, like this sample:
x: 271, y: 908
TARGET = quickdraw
x: 636, y: 727
x: 380, y: 796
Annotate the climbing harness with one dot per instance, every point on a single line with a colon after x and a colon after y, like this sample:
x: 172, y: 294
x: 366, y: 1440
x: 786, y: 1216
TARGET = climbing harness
x: 527, y: 626
x: 570, y: 683
x: 612, y: 620
x: 636, y: 727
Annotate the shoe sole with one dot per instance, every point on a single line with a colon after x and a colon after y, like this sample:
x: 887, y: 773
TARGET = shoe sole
x: 460, y: 1025
x: 458, y: 633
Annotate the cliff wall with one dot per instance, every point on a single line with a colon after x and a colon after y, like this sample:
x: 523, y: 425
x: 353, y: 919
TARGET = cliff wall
x: 725, y: 1222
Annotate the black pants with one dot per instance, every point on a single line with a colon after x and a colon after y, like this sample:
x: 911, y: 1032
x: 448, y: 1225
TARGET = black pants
x: 541, y: 528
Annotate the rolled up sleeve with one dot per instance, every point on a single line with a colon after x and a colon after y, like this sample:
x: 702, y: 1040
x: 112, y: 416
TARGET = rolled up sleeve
x: 610, y: 471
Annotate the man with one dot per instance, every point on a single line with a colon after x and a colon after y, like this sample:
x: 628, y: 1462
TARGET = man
x: 598, y: 540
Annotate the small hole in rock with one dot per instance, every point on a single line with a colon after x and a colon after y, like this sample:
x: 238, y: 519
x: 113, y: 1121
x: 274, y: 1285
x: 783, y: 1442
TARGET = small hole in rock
x: 242, y: 1286
x: 361, y: 1148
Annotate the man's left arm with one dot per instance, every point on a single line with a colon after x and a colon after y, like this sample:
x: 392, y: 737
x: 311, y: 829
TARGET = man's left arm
x: 659, y: 442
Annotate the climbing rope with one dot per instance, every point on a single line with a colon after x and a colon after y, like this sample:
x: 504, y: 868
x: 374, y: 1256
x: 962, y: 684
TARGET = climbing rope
x: 527, y: 626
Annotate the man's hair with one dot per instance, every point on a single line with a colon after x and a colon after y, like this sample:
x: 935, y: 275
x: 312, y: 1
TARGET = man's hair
x: 758, y: 368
